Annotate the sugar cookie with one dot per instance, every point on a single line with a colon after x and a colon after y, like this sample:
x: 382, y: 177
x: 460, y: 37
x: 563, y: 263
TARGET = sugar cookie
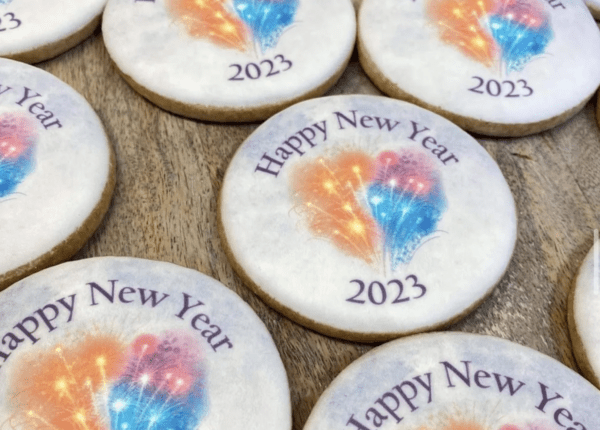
x: 57, y: 171
x: 496, y: 67
x: 122, y: 343
x: 366, y: 218
x: 232, y: 60
x: 456, y: 381
x: 35, y: 30
x: 584, y: 303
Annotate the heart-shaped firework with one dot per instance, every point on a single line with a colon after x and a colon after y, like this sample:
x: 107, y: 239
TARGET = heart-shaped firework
x: 392, y: 203
x: 100, y: 384
x: 492, y: 31
x: 17, y: 149
x: 236, y: 24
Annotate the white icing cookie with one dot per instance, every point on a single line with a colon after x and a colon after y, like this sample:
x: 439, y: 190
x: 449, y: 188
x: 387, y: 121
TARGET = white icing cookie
x: 366, y: 218
x: 497, y: 67
x: 594, y: 7
x: 229, y: 60
x: 456, y: 381
x: 57, y: 171
x: 122, y: 343
x: 584, y: 304
x: 35, y: 30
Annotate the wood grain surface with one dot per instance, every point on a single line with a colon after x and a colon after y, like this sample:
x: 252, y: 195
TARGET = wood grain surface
x: 170, y: 170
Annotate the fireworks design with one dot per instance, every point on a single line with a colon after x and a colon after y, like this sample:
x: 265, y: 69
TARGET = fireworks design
x: 328, y: 192
x: 510, y: 32
x: 100, y: 384
x: 162, y: 386
x: 378, y: 209
x: 17, y: 149
x: 237, y: 24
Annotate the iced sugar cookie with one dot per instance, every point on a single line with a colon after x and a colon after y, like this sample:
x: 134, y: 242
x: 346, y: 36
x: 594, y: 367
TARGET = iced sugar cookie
x: 456, y: 381
x: 497, y: 67
x: 57, y: 171
x: 584, y: 304
x: 229, y: 60
x: 35, y: 30
x: 594, y: 7
x: 121, y: 343
x: 366, y: 218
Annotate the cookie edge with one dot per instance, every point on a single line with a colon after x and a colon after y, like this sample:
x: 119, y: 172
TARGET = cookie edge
x: 470, y: 124
x: 54, y: 49
x: 594, y: 10
x: 366, y: 337
x: 579, y: 350
x: 229, y: 114
x: 75, y: 241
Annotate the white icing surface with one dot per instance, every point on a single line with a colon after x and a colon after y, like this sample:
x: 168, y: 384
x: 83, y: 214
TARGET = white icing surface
x: 407, y: 47
x: 148, y: 44
x: 269, y: 235
x: 42, y: 22
x: 243, y: 382
x: 586, y: 304
x: 454, y: 397
x: 71, y: 166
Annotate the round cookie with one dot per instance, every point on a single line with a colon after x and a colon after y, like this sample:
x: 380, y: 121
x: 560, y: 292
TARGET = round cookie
x: 496, y: 67
x: 584, y: 302
x: 366, y: 218
x: 594, y: 7
x: 229, y: 60
x: 57, y: 171
x: 36, y: 30
x: 456, y: 381
x: 123, y: 343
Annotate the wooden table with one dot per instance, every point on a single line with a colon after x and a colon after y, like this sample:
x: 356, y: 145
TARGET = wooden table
x: 170, y: 170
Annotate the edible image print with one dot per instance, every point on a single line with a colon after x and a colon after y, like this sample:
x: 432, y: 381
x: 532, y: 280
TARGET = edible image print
x: 128, y: 344
x: 56, y: 169
x: 502, y: 59
x: 102, y: 383
x: 367, y: 216
x: 237, y: 24
x: 451, y: 381
x: 18, y: 138
x: 380, y: 209
x: 506, y: 32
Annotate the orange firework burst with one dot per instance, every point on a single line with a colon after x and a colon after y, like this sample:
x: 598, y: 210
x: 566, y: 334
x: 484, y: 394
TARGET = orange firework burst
x: 210, y: 19
x: 59, y: 389
x: 326, y: 189
x: 459, y: 23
